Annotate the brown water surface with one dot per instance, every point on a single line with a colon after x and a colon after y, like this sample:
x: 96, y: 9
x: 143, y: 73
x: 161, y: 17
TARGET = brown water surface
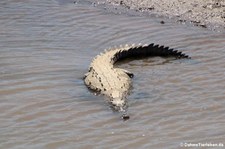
x: 47, y: 46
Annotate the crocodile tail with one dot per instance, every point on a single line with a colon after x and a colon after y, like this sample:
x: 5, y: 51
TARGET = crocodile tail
x: 147, y: 51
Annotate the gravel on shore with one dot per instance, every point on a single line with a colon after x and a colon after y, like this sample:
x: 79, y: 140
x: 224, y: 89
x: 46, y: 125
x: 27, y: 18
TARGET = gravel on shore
x: 204, y: 13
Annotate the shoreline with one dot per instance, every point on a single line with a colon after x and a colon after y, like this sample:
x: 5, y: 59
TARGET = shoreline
x: 203, y: 13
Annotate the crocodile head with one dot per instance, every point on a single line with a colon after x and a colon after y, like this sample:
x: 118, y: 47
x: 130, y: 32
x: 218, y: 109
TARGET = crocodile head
x: 118, y: 101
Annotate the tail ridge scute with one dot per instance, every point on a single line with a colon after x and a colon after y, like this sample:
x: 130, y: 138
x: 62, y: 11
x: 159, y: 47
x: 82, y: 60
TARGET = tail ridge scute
x: 148, y: 50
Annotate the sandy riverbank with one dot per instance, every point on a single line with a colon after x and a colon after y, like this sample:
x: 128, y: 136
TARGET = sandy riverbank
x: 204, y: 13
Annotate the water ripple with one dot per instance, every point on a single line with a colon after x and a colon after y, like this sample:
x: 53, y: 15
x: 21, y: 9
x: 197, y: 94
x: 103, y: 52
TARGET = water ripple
x: 46, y: 47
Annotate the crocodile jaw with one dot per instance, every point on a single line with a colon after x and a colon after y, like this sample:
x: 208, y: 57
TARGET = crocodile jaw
x: 119, y: 104
x: 118, y: 101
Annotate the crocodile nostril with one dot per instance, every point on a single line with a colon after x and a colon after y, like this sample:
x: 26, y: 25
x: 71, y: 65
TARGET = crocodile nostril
x: 125, y: 117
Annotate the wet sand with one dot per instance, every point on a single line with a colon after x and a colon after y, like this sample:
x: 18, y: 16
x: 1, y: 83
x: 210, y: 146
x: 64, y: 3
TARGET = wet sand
x: 203, y: 13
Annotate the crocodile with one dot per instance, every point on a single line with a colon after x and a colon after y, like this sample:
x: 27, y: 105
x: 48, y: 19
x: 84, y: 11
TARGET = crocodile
x: 115, y: 83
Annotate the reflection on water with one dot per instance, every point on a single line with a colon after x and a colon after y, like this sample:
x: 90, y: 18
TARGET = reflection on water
x: 46, y: 47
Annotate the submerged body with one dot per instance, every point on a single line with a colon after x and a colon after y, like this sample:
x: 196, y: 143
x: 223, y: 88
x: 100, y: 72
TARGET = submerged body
x: 115, y: 82
x: 107, y: 80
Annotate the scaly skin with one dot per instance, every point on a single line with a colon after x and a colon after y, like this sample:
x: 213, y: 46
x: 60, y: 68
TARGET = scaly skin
x: 115, y: 82
x: 104, y: 78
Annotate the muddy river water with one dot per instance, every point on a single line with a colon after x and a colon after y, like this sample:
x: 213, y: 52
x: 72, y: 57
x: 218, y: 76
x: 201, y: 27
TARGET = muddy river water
x: 46, y: 48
